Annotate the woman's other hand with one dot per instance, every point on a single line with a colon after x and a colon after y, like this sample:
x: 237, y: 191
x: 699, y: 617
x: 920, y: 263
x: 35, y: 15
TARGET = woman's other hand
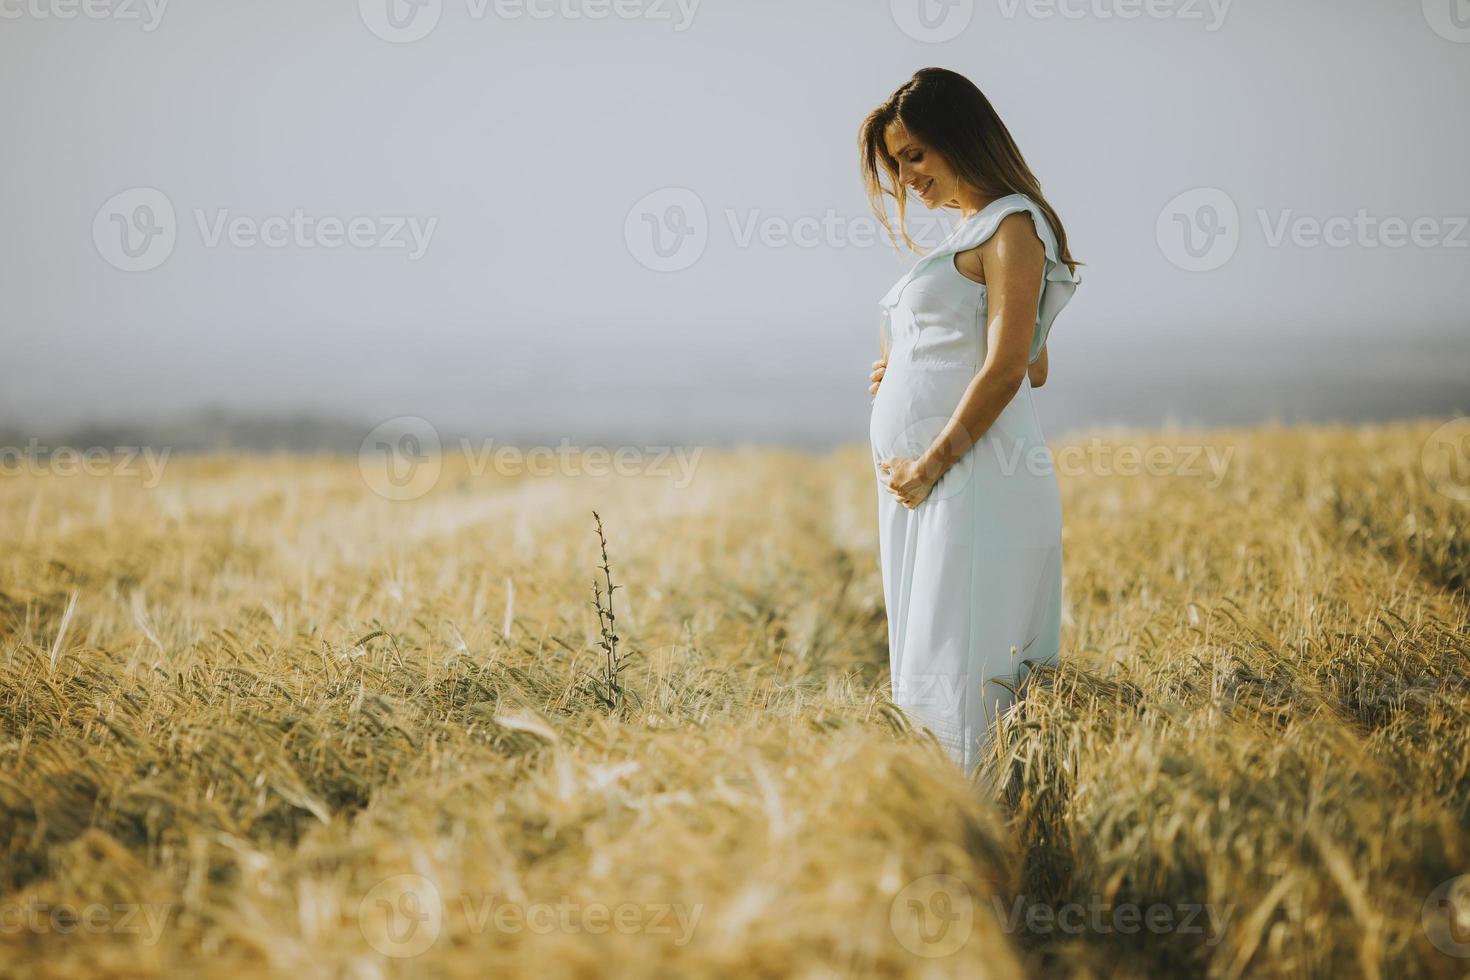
x: 880, y: 367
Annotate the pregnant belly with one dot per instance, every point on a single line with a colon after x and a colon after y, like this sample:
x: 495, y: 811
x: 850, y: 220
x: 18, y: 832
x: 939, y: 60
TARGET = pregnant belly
x: 1010, y: 465
x: 913, y: 405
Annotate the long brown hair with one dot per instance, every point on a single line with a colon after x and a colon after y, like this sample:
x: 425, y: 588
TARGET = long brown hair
x: 947, y: 111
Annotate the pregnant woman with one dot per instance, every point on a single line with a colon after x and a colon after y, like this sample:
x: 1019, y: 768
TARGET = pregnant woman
x: 970, y: 530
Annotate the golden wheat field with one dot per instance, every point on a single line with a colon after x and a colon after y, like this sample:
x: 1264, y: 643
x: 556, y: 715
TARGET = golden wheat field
x: 259, y: 720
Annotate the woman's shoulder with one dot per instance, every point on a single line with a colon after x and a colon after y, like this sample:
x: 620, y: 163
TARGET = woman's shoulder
x: 1018, y: 226
x: 987, y: 221
x: 997, y: 212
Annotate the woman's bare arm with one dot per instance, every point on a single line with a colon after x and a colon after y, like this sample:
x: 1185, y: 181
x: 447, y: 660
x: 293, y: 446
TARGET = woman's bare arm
x: 1037, y: 371
x: 1014, y: 260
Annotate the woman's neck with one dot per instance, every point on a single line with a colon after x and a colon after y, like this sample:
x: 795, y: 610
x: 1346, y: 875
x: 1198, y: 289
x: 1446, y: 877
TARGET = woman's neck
x: 974, y: 205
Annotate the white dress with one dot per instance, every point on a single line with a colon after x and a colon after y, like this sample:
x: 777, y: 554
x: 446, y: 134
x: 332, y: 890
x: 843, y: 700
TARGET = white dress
x: 972, y: 577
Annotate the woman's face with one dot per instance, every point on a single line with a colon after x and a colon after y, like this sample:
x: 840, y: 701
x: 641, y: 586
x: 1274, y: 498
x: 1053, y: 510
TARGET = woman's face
x: 921, y: 169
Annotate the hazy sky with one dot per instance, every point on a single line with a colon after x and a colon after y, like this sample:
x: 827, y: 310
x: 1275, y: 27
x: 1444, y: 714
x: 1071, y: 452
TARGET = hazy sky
x: 461, y: 226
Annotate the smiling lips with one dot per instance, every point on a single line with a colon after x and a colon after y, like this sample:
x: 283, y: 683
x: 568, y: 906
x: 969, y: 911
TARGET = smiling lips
x: 925, y: 189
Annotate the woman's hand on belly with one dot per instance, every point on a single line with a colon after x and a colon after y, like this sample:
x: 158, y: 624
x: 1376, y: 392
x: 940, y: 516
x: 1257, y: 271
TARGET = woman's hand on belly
x: 908, y: 479
x: 880, y: 366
